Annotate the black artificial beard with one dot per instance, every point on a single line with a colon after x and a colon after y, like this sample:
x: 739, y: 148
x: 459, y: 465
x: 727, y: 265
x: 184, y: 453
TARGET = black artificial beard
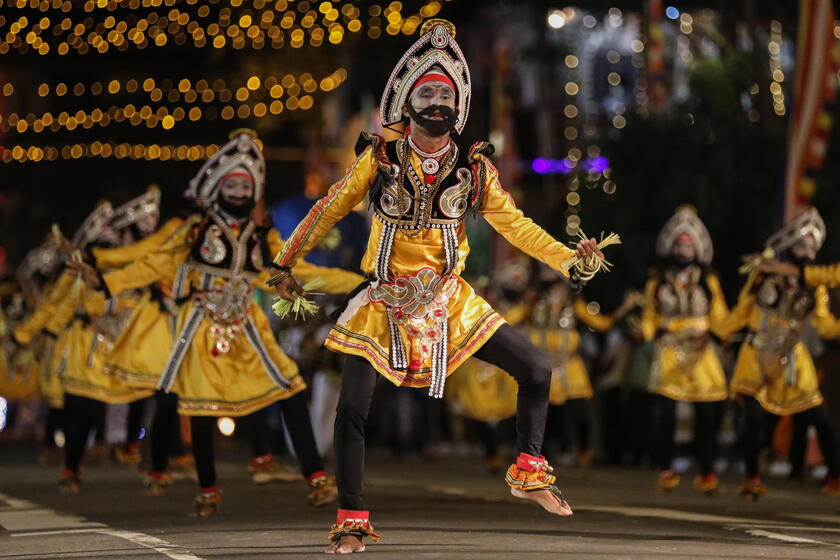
x: 672, y: 261
x: 239, y: 211
x: 433, y: 127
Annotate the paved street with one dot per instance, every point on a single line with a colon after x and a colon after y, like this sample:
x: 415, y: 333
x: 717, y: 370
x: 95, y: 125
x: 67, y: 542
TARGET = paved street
x: 441, y: 509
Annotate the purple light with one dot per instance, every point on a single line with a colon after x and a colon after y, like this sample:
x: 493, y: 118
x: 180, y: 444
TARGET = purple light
x: 598, y: 164
x: 544, y: 166
x: 541, y: 166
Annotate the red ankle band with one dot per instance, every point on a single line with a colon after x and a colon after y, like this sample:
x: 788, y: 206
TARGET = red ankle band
x: 529, y: 462
x: 352, y: 516
x: 209, y: 489
x: 315, y: 477
x: 262, y: 460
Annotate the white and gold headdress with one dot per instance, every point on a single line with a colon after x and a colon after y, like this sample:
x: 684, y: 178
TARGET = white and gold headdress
x: 147, y: 204
x: 93, y: 226
x: 807, y: 223
x: 685, y: 222
x: 435, y: 47
x: 43, y: 260
x: 241, y: 151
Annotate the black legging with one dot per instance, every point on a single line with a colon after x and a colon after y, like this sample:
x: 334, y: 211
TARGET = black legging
x: 574, y: 412
x: 54, y: 422
x: 664, y: 417
x: 706, y: 424
x: 296, y: 417
x: 506, y: 349
x: 257, y: 432
x: 165, y: 433
x: 81, y: 417
x: 757, y: 426
x: 134, y: 421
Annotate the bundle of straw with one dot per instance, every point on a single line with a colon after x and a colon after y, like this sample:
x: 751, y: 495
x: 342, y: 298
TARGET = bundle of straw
x: 589, y: 266
x: 299, y: 305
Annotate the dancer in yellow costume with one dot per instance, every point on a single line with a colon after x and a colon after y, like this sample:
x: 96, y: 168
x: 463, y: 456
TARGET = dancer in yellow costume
x: 774, y: 374
x: 417, y: 320
x: 225, y: 360
x: 683, y: 306
x: 93, y: 323
x: 29, y: 359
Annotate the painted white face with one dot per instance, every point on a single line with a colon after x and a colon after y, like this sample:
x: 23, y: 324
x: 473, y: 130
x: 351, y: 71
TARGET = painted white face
x: 684, y: 250
x: 432, y: 93
x: 237, y: 189
x: 805, y: 248
x: 148, y: 223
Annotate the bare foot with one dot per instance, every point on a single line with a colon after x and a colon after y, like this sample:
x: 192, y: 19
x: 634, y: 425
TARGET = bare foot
x: 346, y: 545
x: 550, y: 501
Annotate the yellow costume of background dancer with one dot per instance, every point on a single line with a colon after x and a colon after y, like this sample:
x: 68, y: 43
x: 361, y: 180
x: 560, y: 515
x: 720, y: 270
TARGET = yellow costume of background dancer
x: 681, y: 307
x: 773, y: 365
x: 225, y: 360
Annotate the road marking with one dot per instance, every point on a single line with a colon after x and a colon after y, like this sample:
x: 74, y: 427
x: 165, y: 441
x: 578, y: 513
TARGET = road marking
x: 675, y: 514
x: 168, y: 549
x: 56, y: 532
x: 787, y: 538
x: 23, y: 515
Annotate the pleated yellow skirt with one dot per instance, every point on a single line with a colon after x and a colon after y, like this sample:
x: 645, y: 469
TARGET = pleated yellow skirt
x: 791, y: 389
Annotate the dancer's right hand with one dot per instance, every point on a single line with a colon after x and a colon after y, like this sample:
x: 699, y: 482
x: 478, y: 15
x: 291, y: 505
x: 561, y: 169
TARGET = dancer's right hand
x: 87, y: 272
x: 287, y: 288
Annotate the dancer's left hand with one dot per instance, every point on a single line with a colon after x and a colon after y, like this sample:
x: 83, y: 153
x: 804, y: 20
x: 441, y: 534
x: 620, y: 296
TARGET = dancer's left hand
x: 587, y: 248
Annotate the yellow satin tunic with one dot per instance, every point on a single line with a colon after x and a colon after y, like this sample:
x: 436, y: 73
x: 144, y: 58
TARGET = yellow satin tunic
x: 363, y: 329
x: 87, y: 345
x: 674, y: 373
x: 19, y: 368
x: 823, y: 275
x: 774, y: 392
x: 208, y: 383
x: 44, y: 331
x: 824, y: 321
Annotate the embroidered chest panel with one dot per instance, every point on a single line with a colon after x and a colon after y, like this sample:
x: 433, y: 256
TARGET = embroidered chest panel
x: 218, y: 246
x: 682, y: 294
x: 785, y: 299
x: 405, y: 199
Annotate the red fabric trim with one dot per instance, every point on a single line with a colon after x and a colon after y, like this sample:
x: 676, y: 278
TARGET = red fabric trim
x: 522, y: 461
x: 262, y: 459
x: 210, y: 490
x: 344, y: 514
x: 238, y: 174
x: 433, y: 77
x: 315, y: 476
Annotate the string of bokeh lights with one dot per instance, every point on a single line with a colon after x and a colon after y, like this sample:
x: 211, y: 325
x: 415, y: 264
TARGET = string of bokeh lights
x: 272, y: 87
x: 263, y: 24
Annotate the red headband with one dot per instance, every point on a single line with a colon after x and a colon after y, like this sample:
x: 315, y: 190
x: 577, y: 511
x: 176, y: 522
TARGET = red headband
x: 433, y: 77
x: 239, y: 174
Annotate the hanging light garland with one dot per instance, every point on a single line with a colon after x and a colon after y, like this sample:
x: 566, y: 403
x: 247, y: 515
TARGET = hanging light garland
x: 263, y: 24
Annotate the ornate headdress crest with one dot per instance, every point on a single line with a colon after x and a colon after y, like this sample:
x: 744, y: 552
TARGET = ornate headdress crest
x: 43, y: 260
x: 241, y: 151
x: 147, y: 204
x: 807, y: 223
x: 94, y: 224
x: 435, y: 47
x: 685, y: 222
